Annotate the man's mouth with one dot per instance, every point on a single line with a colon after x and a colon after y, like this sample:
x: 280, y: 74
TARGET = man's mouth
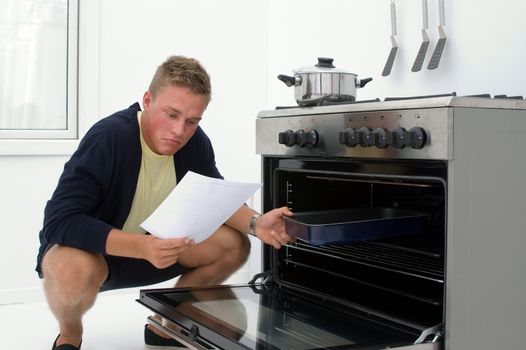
x: 172, y: 141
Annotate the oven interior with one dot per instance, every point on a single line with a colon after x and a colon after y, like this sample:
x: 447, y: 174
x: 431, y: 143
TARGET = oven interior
x: 399, y: 278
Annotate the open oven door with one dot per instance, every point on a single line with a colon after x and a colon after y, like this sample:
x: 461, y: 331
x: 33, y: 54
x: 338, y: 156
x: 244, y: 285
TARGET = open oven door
x: 265, y: 316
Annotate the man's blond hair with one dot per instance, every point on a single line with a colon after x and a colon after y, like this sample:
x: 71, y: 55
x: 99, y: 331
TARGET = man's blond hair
x: 182, y: 71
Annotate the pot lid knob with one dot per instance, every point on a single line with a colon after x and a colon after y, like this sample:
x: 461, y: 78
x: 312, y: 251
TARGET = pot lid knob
x: 325, y: 62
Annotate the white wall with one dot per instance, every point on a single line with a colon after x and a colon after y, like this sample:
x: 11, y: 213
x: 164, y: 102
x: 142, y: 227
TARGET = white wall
x: 245, y: 45
x: 484, y: 50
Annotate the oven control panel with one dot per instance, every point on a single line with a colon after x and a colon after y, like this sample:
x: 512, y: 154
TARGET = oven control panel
x: 399, y: 138
x: 419, y: 134
x: 416, y: 137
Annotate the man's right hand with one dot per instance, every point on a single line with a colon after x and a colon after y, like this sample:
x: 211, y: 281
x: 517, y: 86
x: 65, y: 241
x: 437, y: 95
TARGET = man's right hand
x: 163, y: 253
x: 160, y: 252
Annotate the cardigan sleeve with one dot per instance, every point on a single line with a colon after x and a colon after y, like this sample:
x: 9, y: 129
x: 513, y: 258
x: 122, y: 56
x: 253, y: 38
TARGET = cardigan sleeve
x: 70, y: 215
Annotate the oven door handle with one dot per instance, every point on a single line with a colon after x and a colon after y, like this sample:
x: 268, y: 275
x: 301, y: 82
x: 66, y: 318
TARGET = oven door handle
x: 436, y: 331
x: 177, y: 333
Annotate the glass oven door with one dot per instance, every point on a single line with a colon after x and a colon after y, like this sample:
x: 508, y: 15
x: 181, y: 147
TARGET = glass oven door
x: 264, y: 316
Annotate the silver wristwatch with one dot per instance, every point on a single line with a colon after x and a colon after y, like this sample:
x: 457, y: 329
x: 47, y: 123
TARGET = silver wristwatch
x: 252, y: 226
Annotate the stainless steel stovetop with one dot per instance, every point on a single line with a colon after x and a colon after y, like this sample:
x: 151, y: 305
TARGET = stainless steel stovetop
x: 410, y: 128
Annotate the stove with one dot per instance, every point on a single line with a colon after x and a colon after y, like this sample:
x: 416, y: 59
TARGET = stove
x: 400, y: 127
x: 454, y: 281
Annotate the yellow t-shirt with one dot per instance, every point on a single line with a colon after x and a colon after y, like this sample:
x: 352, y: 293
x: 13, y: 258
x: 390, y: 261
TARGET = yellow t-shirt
x: 156, y: 180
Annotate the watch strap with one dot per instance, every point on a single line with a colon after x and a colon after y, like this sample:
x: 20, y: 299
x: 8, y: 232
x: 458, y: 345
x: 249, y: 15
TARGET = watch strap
x: 252, y: 225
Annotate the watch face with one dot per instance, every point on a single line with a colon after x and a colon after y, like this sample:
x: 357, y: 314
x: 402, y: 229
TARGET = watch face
x: 252, y: 227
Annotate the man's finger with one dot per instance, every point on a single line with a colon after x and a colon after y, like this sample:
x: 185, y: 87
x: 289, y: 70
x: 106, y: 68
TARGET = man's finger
x: 175, y: 243
x: 286, y: 211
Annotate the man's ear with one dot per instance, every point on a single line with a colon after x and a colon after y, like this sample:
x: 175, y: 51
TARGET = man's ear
x: 146, y: 99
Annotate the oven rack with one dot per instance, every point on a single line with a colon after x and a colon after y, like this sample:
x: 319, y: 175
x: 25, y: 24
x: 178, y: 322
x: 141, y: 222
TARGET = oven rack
x: 381, y: 256
x: 397, y: 282
x: 373, y: 286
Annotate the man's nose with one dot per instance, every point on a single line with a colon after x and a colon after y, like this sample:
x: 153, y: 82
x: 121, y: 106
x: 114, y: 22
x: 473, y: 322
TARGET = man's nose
x: 177, y: 126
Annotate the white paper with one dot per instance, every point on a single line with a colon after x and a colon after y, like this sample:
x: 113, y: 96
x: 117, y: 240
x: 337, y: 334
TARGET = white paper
x: 197, y: 207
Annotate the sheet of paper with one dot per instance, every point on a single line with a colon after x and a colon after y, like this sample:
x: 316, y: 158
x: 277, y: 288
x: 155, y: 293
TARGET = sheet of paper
x: 197, y: 207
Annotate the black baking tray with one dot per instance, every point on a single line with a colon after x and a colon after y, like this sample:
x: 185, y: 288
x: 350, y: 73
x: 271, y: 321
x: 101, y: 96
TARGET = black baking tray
x: 353, y: 225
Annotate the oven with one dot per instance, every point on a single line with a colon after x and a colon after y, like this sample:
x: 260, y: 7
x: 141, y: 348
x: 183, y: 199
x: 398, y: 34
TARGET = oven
x: 409, y: 217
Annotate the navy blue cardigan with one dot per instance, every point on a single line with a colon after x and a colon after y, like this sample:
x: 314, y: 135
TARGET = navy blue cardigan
x: 96, y: 189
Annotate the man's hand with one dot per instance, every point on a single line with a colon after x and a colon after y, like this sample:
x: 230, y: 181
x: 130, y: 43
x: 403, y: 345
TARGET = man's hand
x: 270, y: 227
x: 163, y: 253
x: 160, y: 252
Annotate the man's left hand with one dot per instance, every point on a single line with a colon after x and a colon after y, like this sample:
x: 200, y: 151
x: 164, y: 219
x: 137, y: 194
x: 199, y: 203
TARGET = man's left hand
x: 270, y: 227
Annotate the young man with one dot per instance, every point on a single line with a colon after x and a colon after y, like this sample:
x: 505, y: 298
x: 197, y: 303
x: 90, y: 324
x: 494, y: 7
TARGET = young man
x: 124, y: 167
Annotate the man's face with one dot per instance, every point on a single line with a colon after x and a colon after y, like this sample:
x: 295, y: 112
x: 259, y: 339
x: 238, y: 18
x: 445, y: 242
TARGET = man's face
x: 170, y: 119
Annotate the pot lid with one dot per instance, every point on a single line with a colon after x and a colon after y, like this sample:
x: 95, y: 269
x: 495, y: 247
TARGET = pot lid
x: 324, y: 65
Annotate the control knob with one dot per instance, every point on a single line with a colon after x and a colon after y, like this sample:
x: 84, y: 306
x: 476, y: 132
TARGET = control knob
x: 380, y: 137
x: 365, y: 137
x: 307, y: 138
x: 398, y: 138
x: 349, y: 137
x: 417, y: 137
x: 287, y: 138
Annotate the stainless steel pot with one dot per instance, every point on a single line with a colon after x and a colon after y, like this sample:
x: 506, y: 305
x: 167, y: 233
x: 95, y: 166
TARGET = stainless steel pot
x: 323, y: 83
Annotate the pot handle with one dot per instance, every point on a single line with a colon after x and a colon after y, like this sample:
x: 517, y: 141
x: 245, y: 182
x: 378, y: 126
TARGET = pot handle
x: 287, y: 79
x: 363, y: 82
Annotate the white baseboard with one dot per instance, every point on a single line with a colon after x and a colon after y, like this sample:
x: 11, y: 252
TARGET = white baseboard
x: 21, y: 295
